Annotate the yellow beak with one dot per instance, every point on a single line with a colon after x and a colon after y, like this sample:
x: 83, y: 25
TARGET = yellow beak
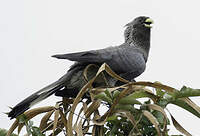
x: 148, y: 22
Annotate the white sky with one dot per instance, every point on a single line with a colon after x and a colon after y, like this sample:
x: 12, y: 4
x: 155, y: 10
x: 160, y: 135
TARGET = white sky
x: 33, y: 30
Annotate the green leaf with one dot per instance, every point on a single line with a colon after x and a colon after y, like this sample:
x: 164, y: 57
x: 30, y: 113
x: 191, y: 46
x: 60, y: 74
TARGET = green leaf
x: 159, y: 116
x: 129, y: 100
x: 126, y: 107
x: 3, y: 132
x: 162, y: 102
x: 185, y: 106
x: 187, y: 92
x: 114, y: 130
x: 108, y: 94
x: 114, y: 117
x: 142, y: 94
x: 103, y: 97
x: 22, y: 118
x: 159, y: 91
x: 36, y: 131
x: 116, y: 94
x: 30, y: 123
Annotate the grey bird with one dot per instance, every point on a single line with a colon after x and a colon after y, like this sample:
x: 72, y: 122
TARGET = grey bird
x: 128, y: 60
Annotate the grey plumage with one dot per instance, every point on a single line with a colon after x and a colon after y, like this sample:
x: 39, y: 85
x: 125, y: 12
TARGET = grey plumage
x: 128, y: 60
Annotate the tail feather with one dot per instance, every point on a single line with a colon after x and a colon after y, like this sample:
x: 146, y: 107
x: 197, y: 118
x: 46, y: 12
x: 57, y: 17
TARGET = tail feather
x: 35, y: 98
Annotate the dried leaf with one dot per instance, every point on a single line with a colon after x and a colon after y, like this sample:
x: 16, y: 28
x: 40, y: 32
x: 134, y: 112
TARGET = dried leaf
x: 86, y: 70
x: 188, y: 105
x: 83, y: 91
x: 66, y: 103
x: 63, y: 118
x: 34, y: 112
x: 78, y: 129
x: 78, y: 116
x: 153, y: 120
x: 100, y: 121
x: 45, y: 119
x: 105, y: 67
x: 156, y: 85
x: 84, y: 107
x: 56, y: 116
x: 179, y: 127
x: 131, y: 118
x: 58, y: 129
x: 75, y: 103
x: 49, y: 126
x: 192, y: 104
x: 12, y: 128
x: 94, y: 131
x: 20, y: 126
x: 30, y: 114
x: 98, y: 131
x: 94, y: 106
x: 160, y: 109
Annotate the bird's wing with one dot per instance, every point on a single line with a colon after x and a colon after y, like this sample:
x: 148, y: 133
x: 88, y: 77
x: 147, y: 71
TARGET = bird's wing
x: 122, y: 58
x: 94, y: 56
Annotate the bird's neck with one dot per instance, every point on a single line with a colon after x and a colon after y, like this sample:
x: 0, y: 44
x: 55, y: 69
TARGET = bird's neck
x: 140, y: 38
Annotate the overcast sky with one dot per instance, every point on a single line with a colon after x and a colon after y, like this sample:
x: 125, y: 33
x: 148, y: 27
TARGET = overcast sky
x: 33, y: 30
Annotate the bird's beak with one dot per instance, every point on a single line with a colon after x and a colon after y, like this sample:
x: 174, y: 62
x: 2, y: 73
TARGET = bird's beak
x: 148, y: 22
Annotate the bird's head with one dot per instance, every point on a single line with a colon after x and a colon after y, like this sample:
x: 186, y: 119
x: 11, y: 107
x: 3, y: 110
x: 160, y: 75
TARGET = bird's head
x: 137, y: 33
x: 138, y: 30
x: 141, y: 22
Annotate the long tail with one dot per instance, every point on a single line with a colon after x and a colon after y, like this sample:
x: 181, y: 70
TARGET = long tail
x: 35, y: 98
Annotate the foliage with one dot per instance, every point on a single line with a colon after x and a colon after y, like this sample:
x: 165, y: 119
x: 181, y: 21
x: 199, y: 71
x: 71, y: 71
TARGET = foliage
x: 3, y: 132
x: 31, y: 130
x: 126, y: 114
